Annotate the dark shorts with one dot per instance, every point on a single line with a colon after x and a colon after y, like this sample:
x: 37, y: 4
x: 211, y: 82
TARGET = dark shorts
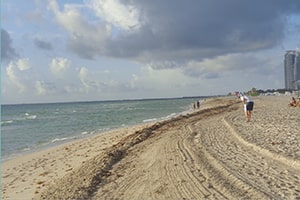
x: 249, y: 106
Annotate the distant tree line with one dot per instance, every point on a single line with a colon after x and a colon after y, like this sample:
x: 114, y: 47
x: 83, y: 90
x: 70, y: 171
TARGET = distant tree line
x: 256, y: 92
x: 281, y: 91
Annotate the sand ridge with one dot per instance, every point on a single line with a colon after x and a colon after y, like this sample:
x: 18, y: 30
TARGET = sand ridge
x: 25, y: 176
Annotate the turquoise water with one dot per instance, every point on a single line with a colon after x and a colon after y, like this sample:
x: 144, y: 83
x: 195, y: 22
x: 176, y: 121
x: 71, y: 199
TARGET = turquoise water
x: 30, y: 127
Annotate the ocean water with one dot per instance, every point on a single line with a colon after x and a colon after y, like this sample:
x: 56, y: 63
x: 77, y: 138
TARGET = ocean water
x: 31, y: 127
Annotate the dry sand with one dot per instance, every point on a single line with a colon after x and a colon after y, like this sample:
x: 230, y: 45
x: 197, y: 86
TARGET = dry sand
x: 212, y: 153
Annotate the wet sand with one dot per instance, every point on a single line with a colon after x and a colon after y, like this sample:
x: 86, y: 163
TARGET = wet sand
x: 211, y: 153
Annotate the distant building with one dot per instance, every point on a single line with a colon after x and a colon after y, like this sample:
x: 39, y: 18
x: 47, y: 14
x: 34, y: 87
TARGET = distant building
x: 292, y: 69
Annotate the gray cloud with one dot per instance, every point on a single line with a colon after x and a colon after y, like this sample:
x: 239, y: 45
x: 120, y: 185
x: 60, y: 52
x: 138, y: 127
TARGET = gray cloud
x: 197, y: 29
x: 43, y: 44
x: 7, y: 51
x: 190, y: 30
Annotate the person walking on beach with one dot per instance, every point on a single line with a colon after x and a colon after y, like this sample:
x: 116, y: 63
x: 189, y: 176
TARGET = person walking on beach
x: 198, y: 104
x: 248, y: 106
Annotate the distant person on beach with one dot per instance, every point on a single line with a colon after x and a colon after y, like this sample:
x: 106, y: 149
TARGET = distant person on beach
x: 298, y: 103
x: 248, y: 106
x: 293, y: 102
x: 198, y: 104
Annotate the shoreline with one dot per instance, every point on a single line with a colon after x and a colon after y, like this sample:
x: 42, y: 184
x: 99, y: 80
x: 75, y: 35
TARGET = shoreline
x: 54, y: 145
x: 41, y: 155
x: 118, y: 156
x: 59, y: 159
x: 78, y: 138
x: 81, y: 136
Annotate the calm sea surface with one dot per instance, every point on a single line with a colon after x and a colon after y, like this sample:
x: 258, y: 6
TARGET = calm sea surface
x: 31, y: 127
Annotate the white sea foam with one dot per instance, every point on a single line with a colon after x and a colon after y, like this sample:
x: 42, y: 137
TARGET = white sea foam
x: 31, y: 117
x: 26, y: 149
x: 171, y: 115
x: 150, y: 120
x: 103, y: 129
x: 58, y: 139
x: 28, y: 116
x: 7, y: 122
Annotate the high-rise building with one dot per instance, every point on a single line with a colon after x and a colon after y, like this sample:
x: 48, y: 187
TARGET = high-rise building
x: 297, y: 67
x: 292, y: 70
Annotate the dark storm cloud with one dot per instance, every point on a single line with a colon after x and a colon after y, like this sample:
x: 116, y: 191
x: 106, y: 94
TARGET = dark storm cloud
x: 42, y: 44
x: 7, y: 51
x: 209, y: 27
x: 184, y: 30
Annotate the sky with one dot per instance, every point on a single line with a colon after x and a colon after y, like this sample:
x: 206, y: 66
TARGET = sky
x: 90, y: 50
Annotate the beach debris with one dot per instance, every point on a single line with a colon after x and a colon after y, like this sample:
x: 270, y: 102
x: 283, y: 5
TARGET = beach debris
x: 278, y: 142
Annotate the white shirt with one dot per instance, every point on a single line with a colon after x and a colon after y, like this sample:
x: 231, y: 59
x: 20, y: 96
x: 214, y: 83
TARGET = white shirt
x: 246, y: 98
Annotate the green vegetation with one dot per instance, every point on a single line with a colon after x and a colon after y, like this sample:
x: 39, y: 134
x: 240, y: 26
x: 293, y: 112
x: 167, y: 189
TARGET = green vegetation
x: 257, y: 92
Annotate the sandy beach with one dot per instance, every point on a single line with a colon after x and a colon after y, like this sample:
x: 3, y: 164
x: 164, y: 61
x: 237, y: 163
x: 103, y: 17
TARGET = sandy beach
x: 210, y: 153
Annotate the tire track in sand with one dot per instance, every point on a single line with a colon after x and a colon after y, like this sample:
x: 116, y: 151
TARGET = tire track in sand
x: 180, y: 170
x: 259, y: 169
x: 191, y: 157
x: 173, y: 174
